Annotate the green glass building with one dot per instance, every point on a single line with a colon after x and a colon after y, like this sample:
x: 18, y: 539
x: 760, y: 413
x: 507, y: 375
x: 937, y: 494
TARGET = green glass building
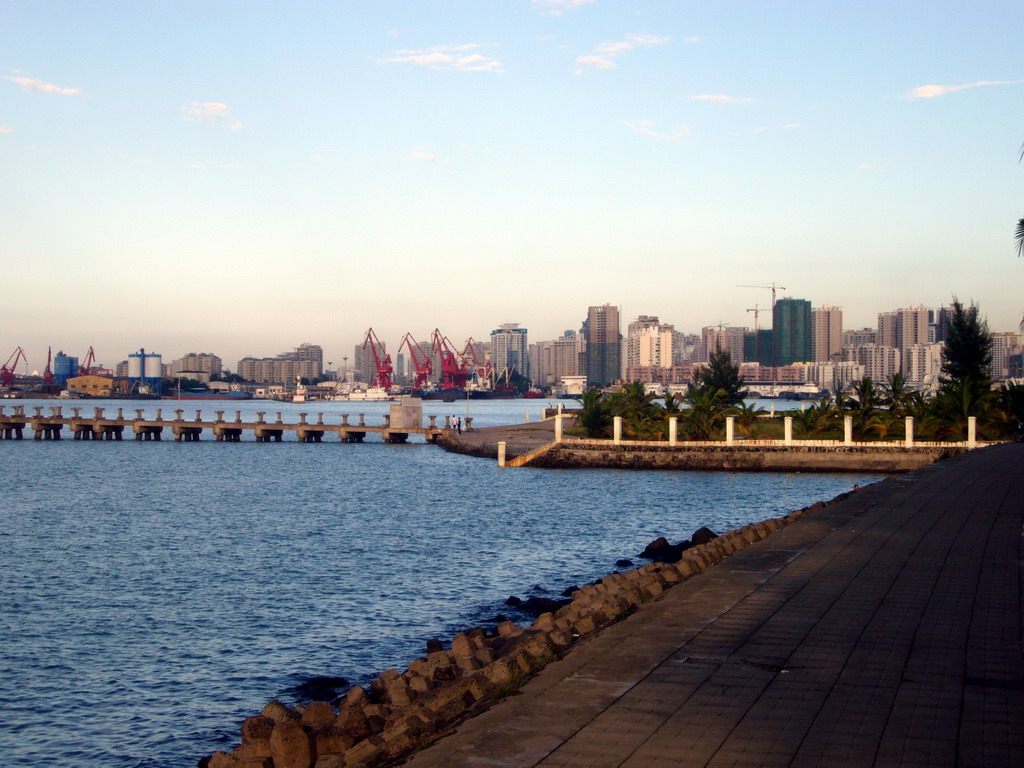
x: 791, y: 331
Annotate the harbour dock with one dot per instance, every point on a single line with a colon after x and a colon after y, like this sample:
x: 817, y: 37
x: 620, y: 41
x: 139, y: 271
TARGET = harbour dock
x: 101, y: 426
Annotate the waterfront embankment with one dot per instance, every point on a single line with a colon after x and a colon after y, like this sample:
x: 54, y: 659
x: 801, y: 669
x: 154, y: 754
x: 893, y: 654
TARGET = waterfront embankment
x: 535, y: 445
x: 882, y: 630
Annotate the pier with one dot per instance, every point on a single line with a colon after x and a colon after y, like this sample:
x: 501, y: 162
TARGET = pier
x: 100, y: 426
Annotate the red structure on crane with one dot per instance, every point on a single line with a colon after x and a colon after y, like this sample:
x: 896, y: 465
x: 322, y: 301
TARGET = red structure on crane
x: 48, y: 374
x: 453, y: 371
x: 422, y: 363
x: 90, y: 368
x: 482, y: 370
x: 7, y: 369
x: 381, y: 360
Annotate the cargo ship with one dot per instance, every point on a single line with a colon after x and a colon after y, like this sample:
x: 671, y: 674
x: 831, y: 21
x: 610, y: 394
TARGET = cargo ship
x: 207, y: 394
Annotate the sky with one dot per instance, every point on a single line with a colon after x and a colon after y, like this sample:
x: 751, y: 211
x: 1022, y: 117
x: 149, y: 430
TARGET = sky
x: 242, y: 177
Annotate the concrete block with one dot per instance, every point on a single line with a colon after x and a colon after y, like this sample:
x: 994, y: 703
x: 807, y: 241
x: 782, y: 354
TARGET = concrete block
x: 291, y: 746
x: 319, y: 714
x: 365, y: 753
x: 280, y: 713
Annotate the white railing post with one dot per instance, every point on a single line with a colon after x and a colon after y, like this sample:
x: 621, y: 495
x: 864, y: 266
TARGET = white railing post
x: 972, y: 431
x: 501, y: 454
x: 788, y: 422
x: 618, y: 430
x: 526, y: 418
x: 909, y: 421
x: 848, y: 430
x: 673, y: 430
x: 558, y: 428
x: 730, y: 427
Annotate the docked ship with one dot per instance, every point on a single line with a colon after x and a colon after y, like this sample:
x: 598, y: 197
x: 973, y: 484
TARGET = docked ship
x: 208, y: 394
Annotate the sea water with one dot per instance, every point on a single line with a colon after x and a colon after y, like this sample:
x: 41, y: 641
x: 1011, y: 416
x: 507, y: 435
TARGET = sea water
x: 154, y: 594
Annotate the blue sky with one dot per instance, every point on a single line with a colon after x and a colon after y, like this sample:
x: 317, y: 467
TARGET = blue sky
x: 240, y: 177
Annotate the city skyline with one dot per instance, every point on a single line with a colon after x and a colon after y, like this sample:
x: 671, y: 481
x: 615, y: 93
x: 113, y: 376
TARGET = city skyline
x: 240, y: 178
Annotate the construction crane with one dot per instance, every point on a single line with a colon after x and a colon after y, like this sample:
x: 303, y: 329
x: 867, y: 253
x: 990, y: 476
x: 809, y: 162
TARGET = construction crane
x: 453, y: 372
x: 773, y: 288
x: 7, y: 369
x: 381, y: 360
x: 756, y: 310
x: 422, y: 363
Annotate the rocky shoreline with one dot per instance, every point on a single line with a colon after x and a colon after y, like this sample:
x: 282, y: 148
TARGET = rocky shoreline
x: 402, y: 712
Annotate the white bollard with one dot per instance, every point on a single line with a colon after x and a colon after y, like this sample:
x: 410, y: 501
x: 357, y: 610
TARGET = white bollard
x: 909, y: 440
x: 501, y: 453
x: 673, y: 430
x: 730, y: 427
x: 526, y: 418
x: 848, y: 430
x: 558, y: 428
x: 618, y: 430
x: 972, y: 431
x: 772, y: 412
x: 788, y: 425
x: 803, y: 406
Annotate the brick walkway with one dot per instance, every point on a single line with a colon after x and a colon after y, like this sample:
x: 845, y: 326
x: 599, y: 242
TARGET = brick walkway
x: 884, y: 630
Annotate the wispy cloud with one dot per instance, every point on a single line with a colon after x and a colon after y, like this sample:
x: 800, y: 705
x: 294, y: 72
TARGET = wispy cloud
x: 452, y: 58
x: 786, y: 127
x: 136, y: 160
x: 645, y: 127
x: 210, y: 112
x: 604, y: 55
x: 721, y: 98
x: 6, y: 129
x: 424, y: 154
x: 558, y: 7
x: 931, y: 91
x: 693, y: 39
x: 39, y: 86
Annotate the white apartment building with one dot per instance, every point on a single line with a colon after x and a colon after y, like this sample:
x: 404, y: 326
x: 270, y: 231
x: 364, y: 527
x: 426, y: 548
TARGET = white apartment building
x: 197, y: 362
x: 729, y: 339
x: 880, y: 362
x: 826, y: 332
x: 1004, y: 345
x: 923, y: 363
x: 835, y: 377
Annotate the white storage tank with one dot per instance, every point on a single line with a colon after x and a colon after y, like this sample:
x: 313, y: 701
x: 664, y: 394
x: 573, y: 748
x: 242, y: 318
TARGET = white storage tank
x: 153, y: 366
x: 136, y: 364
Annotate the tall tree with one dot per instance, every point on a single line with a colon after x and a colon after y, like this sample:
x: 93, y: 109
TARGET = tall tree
x: 722, y: 374
x: 967, y: 350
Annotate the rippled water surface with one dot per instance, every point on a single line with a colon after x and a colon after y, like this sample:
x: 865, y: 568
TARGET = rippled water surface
x: 154, y: 594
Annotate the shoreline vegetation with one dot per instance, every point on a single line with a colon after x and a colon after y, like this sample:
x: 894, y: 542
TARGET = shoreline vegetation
x: 400, y: 713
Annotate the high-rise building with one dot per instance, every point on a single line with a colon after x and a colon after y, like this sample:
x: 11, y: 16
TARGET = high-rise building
x: 922, y: 363
x: 880, y: 362
x: 859, y: 337
x: 603, y: 355
x: 791, y: 331
x: 197, y: 362
x: 902, y: 329
x: 305, y: 361
x: 728, y: 339
x: 757, y: 347
x: 64, y: 368
x: 826, y: 332
x: 558, y: 358
x: 510, y: 349
x: 1004, y: 347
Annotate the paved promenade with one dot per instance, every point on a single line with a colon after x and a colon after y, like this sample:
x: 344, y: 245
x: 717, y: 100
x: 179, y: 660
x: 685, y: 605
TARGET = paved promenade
x: 884, y: 630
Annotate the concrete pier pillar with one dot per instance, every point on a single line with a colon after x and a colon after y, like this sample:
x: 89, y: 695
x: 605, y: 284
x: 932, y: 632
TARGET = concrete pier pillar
x: 3, y: 409
x: 199, y: 415
x: 259, y: 416
x: 19, y: 410
x: 362, y: 420
x: 220, y: 416
x: 120, y: 414
x: 138, y: 414
x: 730, y: 428
x: 433, y: 420
x: 344, y: 420
x: 673, y: 430
x: 98, y: 412
x: 469, y: 423
x: 501, y: 453
x: 447, y: 422
x: 772, y: 411
x: 526, y: 418
x: 302, y: 418
x: 972, y: 431
x: 76, y: 411
x: 179, y: 413
x: 618, y: 429
x: 319, y: 418
x: 39, y: 411
x: 909, y: 439
x: 788, y: 426
x: 55, y: 412
x: 279, y: 419
x: 848, y: 430
x: 558, y: 428
x: 238, y: 416
x: 159, y: 414
x: 561, y: 407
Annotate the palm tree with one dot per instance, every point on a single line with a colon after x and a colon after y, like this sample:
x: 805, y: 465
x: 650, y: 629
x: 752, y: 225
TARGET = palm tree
x: 747, y: 418
x: 896, y: 394
x: 594, y: 416
x: 705, y: 412
x: 957, y: 401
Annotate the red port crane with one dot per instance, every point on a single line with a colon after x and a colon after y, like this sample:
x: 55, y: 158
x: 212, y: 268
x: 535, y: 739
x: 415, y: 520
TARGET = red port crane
x: 91, y: 368
x: 453, y: 372
x: 7, y: 369
x: 48, y: 374
x: 483, y: 370
x: 422, y: 363
x: 381, y: 360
